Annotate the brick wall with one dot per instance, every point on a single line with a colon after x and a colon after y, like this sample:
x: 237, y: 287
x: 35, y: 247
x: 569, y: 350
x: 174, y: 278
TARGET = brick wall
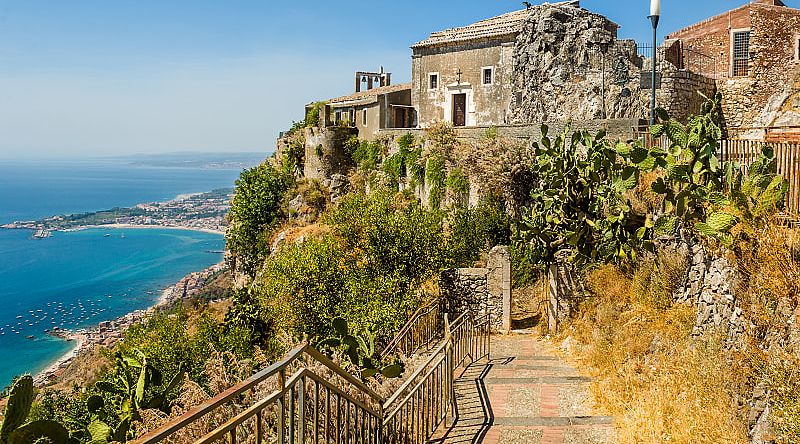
x: 773, y: 66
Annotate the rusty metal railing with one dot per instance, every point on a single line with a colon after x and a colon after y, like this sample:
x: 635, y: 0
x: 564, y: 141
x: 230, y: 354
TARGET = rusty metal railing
x: 322, y: 403
x: 421, y: 330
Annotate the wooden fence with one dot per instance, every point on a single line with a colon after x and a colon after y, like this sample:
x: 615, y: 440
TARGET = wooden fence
x: 745, y: 153
x: 787, y: 154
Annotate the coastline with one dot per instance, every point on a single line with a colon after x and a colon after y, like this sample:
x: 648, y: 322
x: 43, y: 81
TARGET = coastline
x: 220, y: 231
x: 109, y: 333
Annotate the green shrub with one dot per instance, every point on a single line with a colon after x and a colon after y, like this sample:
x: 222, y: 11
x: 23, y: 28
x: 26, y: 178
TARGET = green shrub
x: 436, y: 175
x: 367, y: 155
x: 457, y: 181
x: 172, y: 340
x: 474, y: 230
x: 254, y: 210
x: 313, y: 115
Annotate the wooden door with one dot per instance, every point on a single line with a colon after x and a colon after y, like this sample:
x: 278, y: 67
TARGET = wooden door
x: 459, y: 109
x: 400, y: 118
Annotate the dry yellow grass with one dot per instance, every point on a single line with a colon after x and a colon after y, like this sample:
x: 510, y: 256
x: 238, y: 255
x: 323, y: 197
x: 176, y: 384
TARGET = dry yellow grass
x: 659, y: 384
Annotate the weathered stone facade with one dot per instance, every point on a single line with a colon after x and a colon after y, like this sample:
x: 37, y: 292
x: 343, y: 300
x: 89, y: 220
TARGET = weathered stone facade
x: 458, y: 68
x: 569, y: 65
x: 326, y: 153
x: 772, y: 67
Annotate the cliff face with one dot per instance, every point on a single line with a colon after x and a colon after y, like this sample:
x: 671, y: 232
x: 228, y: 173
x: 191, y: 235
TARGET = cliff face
x: 568, y: 64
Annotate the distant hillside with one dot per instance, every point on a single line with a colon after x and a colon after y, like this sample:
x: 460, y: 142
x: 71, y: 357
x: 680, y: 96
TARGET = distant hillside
x: 196, y: 160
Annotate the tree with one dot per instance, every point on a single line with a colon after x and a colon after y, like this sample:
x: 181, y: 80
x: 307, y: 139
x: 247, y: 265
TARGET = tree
x: 254, y: 210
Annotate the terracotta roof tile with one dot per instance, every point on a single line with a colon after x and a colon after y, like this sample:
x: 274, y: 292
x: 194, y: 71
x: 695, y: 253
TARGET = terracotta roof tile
x: 374, y: 92
x: 510, y: 23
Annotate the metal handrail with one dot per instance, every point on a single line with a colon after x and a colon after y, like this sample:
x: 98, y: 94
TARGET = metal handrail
x: 424, y: 401
x: 310, y: 408
x: 276, y: 369
x: 420, y: 330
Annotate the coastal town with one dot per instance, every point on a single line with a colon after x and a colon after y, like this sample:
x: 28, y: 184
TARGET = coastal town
x: 196, y: 211
x: 109, y: 333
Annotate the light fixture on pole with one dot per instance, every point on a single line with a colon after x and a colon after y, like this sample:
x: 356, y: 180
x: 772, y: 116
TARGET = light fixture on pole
x: 655, y: 15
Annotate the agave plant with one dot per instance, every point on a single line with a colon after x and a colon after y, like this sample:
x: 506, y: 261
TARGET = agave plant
x: 136, y: 385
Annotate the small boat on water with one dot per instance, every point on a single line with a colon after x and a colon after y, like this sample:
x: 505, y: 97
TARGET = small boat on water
x: 107, y: 235
x: 29, y: 337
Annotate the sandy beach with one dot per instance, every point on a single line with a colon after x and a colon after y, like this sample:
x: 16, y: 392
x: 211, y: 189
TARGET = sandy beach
x: 145, y: 227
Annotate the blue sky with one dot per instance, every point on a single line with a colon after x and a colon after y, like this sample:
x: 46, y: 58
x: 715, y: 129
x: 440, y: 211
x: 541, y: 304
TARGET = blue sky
x: 94, y: 77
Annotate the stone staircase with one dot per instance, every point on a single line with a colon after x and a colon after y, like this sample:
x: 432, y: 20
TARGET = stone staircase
x: 524, y: 394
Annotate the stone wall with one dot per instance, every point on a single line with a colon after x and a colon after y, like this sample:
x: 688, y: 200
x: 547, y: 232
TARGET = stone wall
x: 459, y: 67
x: 615, y: 128
x: 679, y: 92
x: 326, y: 153
x: 481, y: 290
x: 709, y: 285
x: 565, y: 294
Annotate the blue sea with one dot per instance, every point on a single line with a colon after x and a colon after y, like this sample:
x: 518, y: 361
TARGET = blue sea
x: 77, y: 279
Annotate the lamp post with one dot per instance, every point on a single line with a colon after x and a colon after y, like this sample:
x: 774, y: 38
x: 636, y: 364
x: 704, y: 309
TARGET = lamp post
x: 655, y: 15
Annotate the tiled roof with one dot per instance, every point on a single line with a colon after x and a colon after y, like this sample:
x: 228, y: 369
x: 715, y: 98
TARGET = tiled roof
x: 506, y: 24
x: 374, y: 92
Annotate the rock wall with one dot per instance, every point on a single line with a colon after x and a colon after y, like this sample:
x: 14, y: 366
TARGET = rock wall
x: 481, y: 290
x: 710, y: 283
x: 679, y: 91
x: 568, y: 62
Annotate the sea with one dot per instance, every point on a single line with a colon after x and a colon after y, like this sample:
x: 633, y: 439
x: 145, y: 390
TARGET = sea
x: 78, y: 279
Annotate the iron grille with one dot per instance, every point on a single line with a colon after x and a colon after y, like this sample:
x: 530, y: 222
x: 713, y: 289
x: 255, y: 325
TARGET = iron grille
x: 741, y: 53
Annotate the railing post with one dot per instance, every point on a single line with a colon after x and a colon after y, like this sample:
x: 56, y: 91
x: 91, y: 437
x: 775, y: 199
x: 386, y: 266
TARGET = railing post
x: 281, y: 407
x: 301, y: 407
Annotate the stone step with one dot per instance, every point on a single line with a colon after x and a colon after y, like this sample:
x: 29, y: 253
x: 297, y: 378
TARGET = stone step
x: 555, y: 421
x: 539, y: 380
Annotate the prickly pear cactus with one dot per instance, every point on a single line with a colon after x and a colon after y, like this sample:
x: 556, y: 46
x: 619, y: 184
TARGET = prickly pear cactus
x: 19, y: 405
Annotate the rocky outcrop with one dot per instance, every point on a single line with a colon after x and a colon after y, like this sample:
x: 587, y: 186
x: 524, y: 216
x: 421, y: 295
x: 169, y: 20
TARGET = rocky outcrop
x: 569, y: 65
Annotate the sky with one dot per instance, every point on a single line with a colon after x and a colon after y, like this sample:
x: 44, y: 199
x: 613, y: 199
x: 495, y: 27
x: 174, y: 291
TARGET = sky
x: 111, y: 77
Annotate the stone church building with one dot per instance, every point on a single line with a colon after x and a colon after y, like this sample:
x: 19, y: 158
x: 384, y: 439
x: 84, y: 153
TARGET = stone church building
x: 547, y: 63
x: 463, y: 75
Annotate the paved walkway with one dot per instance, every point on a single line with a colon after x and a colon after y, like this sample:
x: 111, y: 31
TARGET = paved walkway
x: 525, y: 394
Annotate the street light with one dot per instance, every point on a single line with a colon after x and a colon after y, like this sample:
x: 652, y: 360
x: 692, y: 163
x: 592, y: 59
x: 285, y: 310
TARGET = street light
x: 655, y: 14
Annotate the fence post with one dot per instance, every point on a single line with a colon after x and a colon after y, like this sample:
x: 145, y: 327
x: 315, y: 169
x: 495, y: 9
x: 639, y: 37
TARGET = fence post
x: 552, y: 303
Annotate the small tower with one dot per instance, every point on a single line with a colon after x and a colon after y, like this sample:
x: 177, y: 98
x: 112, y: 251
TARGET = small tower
x: 372, y: 79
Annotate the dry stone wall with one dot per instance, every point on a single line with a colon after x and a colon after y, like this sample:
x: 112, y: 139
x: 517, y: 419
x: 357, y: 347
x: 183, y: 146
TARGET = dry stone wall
x: 481, y: 290
x: 709, y: 284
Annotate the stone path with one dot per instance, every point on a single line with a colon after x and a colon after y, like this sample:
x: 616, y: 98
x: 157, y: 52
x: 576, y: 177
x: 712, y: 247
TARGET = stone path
x: 524, y: 394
